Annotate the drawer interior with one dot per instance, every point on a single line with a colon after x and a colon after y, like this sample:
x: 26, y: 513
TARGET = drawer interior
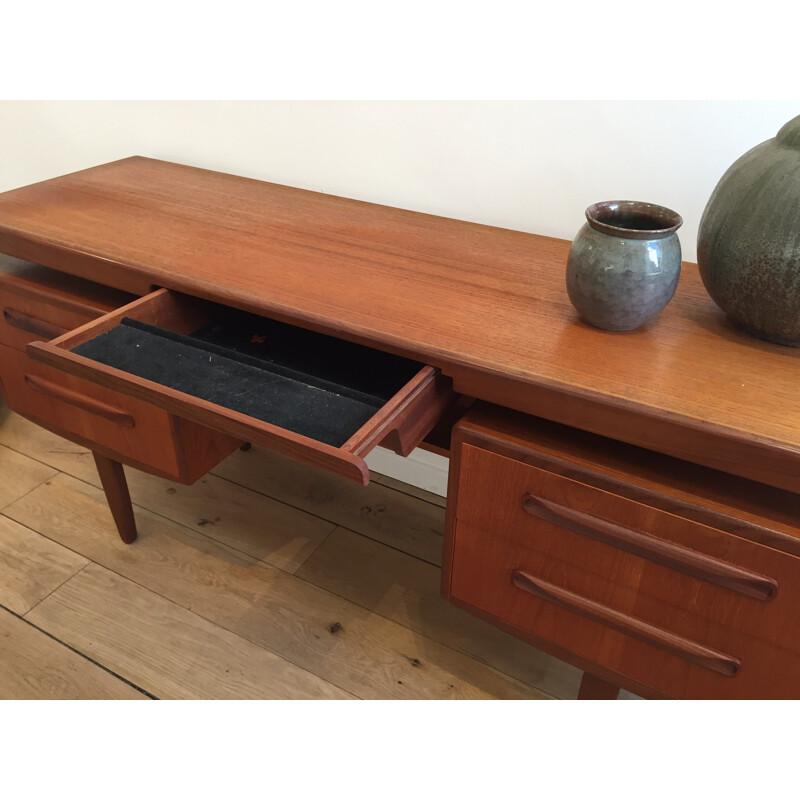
x: 308, y: 395
x: 315, y: 385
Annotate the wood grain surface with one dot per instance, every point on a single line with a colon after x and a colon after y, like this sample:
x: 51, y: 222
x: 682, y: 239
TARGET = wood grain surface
x: 662, y: 586
x: 402, y: 421
x: 60, y: 289
x: 286, y: 520
x: 751, y: 510
x: 487, y: 306
x: 166, y: 649
x: 376, y: 511
x: 26, y: 314
x: 282, y: 530
x: 345, y: 644
x: 20, y: 474
x: 406, y: 590
x: 37, y: 667
x: 31, y: 567
x: 72, y: 406
x: 294, y: 508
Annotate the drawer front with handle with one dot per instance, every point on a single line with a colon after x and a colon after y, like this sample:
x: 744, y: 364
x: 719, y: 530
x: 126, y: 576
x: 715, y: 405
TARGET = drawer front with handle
x: 136, y: 431
x: 37, y: 303
x: 25, y: 317
x: 670, y: 603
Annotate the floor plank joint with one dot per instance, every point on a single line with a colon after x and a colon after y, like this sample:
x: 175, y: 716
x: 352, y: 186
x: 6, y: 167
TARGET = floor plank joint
x: 77, y: 652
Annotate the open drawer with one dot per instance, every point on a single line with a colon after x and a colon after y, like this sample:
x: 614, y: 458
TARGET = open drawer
x: 313, y: 397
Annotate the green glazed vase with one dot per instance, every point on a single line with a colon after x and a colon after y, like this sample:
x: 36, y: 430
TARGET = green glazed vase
x: 748, y: 245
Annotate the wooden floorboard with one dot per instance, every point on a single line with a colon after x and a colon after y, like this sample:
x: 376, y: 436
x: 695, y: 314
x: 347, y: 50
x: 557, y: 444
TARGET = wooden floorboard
x: 165, y: 649
x: 19, y: 474
x: 414, y: 491
x: 266, y: 579
x: 377, y: 511
x: 39, y: 444
x: 31, y: 566
x: 341, y: 642
x: 268, y: 529
x: 37, y: 667
x: 406, y: 590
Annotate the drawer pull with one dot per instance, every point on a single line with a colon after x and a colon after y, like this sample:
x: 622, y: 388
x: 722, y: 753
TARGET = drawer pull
x: 38, y: 327
x: 642, y: 544
x: 638, y: 629
x: 80, y: 401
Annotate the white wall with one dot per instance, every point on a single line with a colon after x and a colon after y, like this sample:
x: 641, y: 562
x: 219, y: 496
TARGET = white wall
x: 528, y: 165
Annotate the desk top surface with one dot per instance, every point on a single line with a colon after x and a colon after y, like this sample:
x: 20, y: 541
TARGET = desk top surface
x: 482, y: 303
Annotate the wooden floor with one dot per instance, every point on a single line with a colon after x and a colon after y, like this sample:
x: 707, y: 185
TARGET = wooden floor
x: 266, y: 579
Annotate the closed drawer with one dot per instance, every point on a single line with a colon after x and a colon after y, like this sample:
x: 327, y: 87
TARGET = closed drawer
x: 24, y: 318
x: 40, y: 304
x: 668, y: 602
x: 312, y: 397
x: 138, y: 432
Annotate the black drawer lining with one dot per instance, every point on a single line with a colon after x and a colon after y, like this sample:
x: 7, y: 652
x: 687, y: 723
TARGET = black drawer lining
x: 271, y: 392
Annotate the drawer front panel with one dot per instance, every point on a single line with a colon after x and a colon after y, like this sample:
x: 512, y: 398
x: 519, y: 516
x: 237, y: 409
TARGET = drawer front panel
x: 121, y: 424
x: 676, y: 605
x: 26, y: 318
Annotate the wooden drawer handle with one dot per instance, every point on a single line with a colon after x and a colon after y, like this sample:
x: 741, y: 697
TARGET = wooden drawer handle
x: 80, y: 401
x: 38, y: 327
x: 647, y: 546
x: 638, y: 629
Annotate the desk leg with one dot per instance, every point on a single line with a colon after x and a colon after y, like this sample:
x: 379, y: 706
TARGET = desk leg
x: 119, y: 500
x: 595, y: 689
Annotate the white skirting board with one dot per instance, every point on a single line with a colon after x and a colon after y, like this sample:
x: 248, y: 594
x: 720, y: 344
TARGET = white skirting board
x: 422, y: 469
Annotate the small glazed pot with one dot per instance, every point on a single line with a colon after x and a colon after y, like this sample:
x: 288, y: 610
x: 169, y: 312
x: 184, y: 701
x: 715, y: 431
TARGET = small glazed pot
x: 624, y: 263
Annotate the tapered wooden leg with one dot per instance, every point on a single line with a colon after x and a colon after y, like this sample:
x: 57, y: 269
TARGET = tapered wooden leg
x: 593, y: 688
x: 119, y: 500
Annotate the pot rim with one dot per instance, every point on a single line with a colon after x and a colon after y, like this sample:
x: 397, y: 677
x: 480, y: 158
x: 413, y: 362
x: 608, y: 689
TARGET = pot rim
x: 661, y: 221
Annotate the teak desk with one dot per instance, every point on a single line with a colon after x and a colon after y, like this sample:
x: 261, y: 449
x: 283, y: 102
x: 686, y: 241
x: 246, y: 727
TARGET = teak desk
x: 628, y: 502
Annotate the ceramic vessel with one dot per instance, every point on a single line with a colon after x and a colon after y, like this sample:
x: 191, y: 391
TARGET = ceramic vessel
x: 624, y: 264
x: 748, y: 245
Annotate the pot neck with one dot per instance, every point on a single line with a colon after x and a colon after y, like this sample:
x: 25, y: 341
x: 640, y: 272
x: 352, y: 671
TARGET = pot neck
x: 789, y: 134
x: 631, y: 219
